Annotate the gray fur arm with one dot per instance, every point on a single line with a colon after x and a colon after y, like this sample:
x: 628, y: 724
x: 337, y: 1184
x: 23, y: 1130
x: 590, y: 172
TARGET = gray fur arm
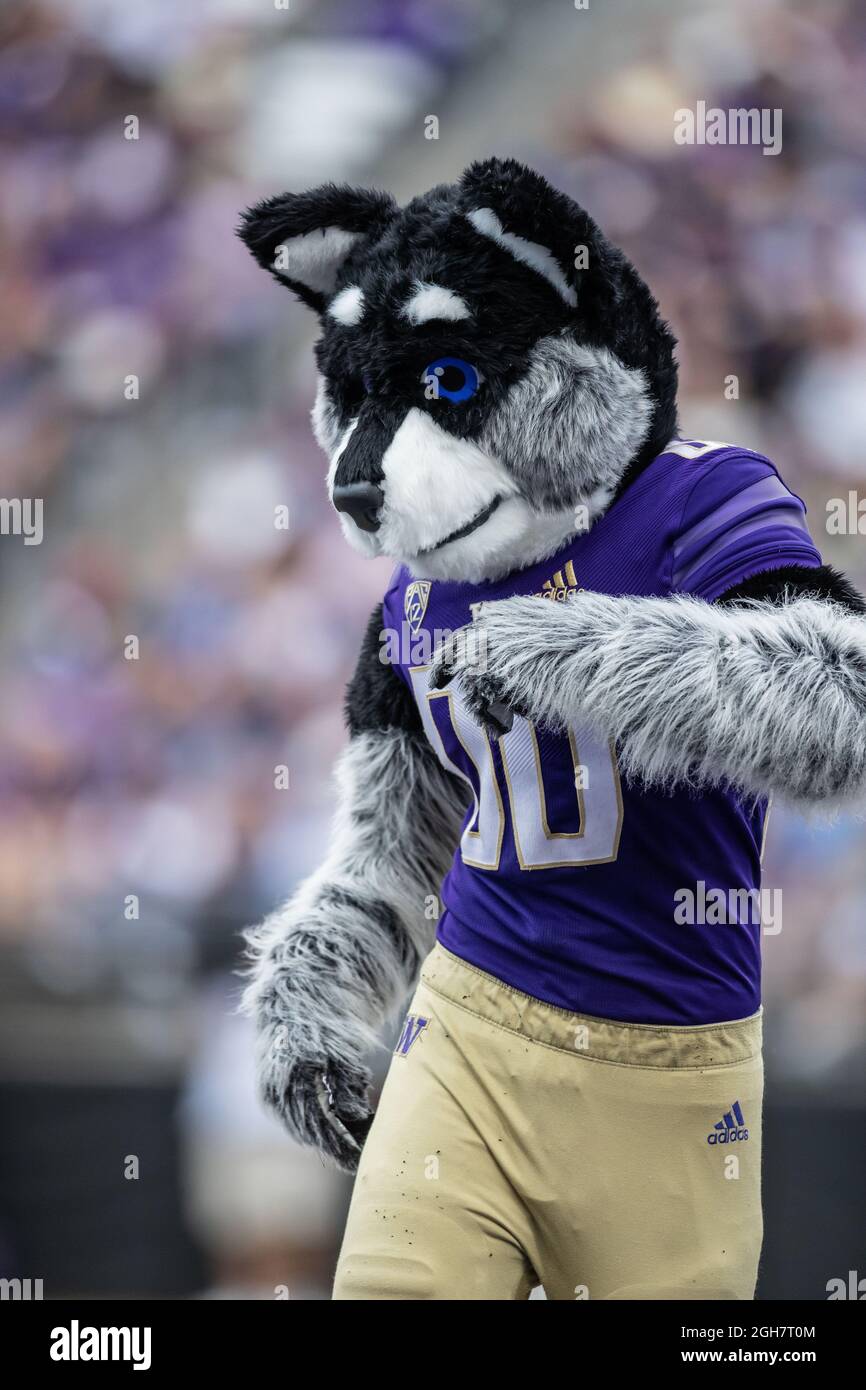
x: 767, y: 697
x: 328, y: 967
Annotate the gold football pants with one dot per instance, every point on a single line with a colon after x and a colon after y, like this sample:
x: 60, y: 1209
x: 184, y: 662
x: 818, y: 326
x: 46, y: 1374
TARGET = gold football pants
x: 516, y: 1144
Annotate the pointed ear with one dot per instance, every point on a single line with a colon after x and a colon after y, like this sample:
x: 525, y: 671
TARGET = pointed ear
x: 304, y: 238
x: 532, y: 221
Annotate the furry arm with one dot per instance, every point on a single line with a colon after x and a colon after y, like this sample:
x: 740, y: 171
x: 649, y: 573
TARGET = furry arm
x: 328, y: 967
x: 768, y: 697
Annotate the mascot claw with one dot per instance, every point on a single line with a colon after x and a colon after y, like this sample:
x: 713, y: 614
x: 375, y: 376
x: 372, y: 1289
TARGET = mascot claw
x: 476, y: 655
x: 325, y: 1107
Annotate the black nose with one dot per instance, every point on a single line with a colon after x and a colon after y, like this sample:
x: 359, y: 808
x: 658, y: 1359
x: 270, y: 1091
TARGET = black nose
x: 362, y: 501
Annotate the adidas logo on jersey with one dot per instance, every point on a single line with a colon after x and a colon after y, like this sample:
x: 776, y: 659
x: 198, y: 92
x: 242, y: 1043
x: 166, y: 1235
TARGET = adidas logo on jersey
x: 730, y: 1128
x: 561, y: 586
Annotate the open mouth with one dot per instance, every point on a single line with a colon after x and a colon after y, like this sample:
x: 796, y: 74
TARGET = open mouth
x: 466, y: 530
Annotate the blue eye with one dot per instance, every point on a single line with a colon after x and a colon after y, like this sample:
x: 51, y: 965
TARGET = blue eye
x: 367, y: 383
x: 455, y: 380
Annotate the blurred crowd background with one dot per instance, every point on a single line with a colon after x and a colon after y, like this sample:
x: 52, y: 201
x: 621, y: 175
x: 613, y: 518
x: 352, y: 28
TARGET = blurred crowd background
x: 156, y: 389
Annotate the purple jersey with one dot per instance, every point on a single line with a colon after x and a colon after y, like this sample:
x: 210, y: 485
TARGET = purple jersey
x: 567, y: 878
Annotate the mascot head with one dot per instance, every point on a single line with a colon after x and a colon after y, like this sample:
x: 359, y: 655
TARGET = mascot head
x: 492, y: 369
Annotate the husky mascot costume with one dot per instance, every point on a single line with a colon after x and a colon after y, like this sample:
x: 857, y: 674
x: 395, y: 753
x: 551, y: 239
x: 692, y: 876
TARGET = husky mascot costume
x: 603, y: 650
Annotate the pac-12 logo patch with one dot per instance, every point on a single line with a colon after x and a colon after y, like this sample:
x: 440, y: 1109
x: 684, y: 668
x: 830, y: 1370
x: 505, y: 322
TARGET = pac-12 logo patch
x: 412, y: 1030
x: 415, y: 602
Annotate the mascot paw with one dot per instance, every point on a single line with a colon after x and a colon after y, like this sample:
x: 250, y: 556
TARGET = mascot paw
x: 322, y: 1104
x: 499, y: 659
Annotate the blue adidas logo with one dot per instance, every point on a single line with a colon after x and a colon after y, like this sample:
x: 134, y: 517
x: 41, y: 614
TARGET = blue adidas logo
x: 730, y: 1128
x: 412, y: 1030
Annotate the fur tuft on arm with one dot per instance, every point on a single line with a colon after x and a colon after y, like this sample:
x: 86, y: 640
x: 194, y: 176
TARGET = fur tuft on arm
x: 350, y: 939
x: 767, y: 697
x: 327, y: 968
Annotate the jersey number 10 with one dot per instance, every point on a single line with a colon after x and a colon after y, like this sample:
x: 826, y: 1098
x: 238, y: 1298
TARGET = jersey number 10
x: 595, y: 780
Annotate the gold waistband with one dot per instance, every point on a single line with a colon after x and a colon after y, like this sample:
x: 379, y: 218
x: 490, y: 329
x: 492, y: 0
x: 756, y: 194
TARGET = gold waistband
x: 633, y: 1044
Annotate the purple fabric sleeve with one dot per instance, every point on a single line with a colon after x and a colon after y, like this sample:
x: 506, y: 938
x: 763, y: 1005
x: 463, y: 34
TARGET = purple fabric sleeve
x: 738, y: 520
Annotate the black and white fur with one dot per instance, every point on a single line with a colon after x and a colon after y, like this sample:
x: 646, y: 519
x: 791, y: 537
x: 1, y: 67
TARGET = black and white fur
x: 570, y: 389
x: 765, y: 690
